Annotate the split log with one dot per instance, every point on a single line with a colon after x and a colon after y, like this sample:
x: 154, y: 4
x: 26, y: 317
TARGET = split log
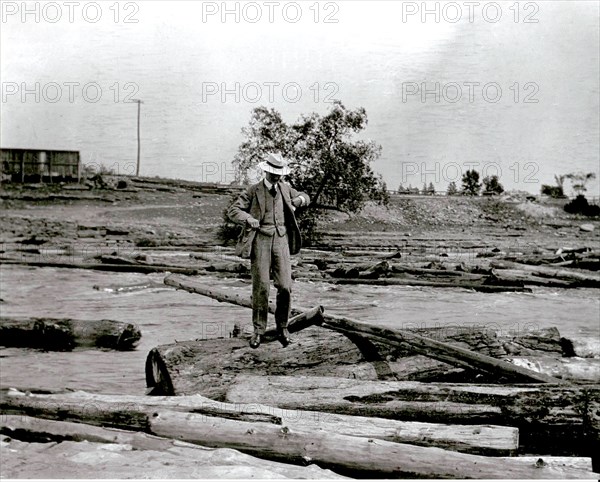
x: 476, y: 439
x: 444, y: 352
x: 66, y: 334
x: 348, y: 455
x: 584, y: 278
x: 175, y: 457
x: 550, y: 419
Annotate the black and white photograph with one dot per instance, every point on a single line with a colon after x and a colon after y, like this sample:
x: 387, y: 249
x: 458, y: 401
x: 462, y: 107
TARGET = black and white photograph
x: 304, y: 239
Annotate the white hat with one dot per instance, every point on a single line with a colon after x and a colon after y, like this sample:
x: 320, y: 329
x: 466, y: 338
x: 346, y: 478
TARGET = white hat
x: 275, y: 164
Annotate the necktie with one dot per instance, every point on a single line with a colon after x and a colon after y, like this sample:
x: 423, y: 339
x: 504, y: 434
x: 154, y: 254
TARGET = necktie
x: 273, y: 190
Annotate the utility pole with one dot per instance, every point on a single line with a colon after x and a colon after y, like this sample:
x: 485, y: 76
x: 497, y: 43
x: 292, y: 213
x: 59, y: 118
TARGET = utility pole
x: 139, y: 103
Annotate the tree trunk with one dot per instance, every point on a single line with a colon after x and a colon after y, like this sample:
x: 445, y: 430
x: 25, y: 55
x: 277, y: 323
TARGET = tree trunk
x: 551, y: 419
x: 178, y: 459
x: 477, y: 439
x: 348, y: 455
x: 585, y: 278
x: 66, y: 334
x: 444, y: 352
x: 485, y: 288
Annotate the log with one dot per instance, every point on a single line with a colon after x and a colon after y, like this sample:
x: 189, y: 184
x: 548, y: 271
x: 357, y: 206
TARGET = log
x: 572, y: 368
x: 551, y: 419
x: 436, y: 284
x: 476, y: 439
x: 444, y: 352
x: 347, y: 455
x: 519, y: 276
x: 65, y: 334
x: 584, y: 278
x: 209, y: 366
x: 120, y: 268
x: 176, y: 459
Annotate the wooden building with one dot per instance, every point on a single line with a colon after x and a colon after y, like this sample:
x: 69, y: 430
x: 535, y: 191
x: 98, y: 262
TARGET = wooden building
x: 35, y: 165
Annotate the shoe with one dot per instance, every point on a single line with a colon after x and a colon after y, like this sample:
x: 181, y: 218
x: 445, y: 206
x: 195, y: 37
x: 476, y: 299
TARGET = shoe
x: 255, y: 341
x: 283, y: 336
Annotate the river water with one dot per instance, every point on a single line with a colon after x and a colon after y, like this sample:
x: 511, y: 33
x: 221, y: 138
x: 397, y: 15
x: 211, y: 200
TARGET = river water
x: 165, y: 315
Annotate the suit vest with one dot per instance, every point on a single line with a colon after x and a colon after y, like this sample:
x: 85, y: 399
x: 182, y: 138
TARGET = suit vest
x: 274, y: 217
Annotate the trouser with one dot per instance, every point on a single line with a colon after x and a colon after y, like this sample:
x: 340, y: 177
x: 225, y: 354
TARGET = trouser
x: 270, y: 256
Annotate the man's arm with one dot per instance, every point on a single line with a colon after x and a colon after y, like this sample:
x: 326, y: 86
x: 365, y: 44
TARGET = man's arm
x: 299, y: 198
x: 238, y: 212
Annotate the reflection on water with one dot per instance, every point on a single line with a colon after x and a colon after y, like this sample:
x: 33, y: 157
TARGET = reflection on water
x: 165, y: 315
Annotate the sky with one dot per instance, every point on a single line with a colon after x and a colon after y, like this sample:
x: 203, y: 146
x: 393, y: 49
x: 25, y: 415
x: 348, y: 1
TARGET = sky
x: 508, y: 88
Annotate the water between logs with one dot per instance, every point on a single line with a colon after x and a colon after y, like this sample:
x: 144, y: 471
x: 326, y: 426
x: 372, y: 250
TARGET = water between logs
x: 165, y: 315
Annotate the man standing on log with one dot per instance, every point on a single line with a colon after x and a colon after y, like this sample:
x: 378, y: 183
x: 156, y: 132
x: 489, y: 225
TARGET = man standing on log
x: 270, y: 236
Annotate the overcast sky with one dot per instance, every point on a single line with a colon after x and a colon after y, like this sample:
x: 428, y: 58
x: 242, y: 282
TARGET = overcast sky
x: 505, y: 87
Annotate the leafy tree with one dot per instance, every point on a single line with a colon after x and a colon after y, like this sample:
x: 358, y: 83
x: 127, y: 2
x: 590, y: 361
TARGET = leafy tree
x: 492, y: 185
x: 325, y: 160
x: 470, y: 183
x: 452, y: 190
x: 579, y: 180
x: 424, y: 190
x: 431, y: 189
x: 402, y: 189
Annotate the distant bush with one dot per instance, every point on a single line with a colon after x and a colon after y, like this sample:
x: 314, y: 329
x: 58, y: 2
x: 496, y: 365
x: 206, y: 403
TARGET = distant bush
x: 555, y: 192
x: 492, y: 185
x: 580, y: 205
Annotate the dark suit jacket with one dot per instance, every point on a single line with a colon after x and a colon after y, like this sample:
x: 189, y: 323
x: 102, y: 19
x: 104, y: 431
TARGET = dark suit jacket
x: 250, y: 204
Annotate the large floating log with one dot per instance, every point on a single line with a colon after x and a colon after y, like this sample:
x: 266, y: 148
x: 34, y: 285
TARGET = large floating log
x: 348, y: 455
x: 477, y: 439
x: 175, y: 458
x: 440, y: 351
x: 66, y: 333
x: 584, y: 278
x: 121, y: 268
x: 485, y: 288
x: 553, y: 419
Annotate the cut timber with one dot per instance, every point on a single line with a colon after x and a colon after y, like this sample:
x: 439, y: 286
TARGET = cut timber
x: 519, y: 276
x: 348, y: 455
x: 133, y: 454
x: 477, y: 439
x: 440, y: 351
x: 486, y: 288
x: 572, y: 368
x: 552, y: 419
x: 584, y: 278
x: 66, y: 333
x: 121, y: 268
x: 209, y: 366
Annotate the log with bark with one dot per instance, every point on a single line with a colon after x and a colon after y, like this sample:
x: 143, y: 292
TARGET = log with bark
x: 67, y: 334
x: 476, y: 439
x: 120, y: 268
x: 455, y: 283
x: 348, y: 455
x: 444, y: 352
x: 582, y: 277
x: 551, y: 419
x: 136, y: 454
